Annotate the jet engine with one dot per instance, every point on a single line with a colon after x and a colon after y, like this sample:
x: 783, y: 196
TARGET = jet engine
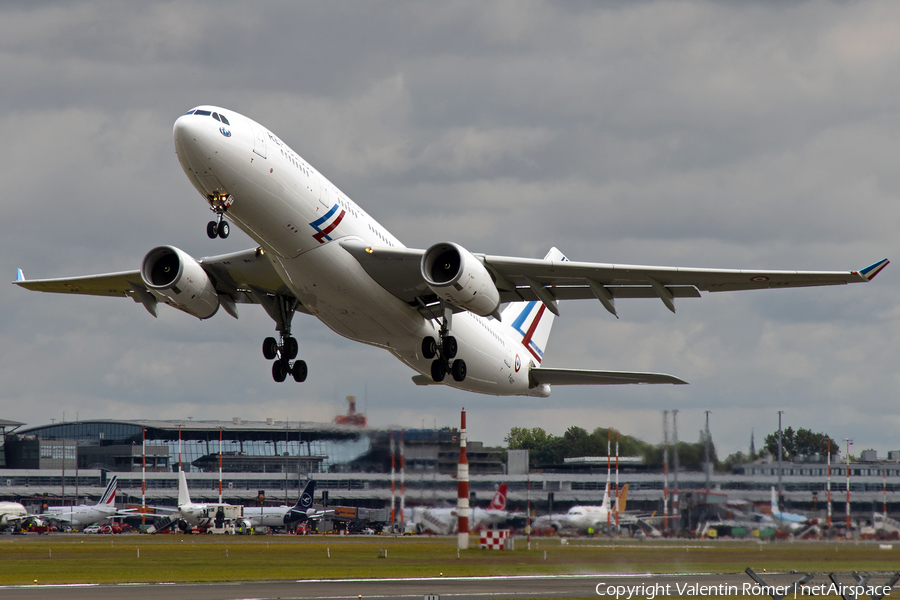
x: 178, y: 279
x: 455, y: 275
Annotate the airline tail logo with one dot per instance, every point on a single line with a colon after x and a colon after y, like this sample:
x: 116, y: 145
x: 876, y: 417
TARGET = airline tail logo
x: 526, y: 323
x: 109, y: 496
x: 306, y: 498
x: 324, y: 230
x: 499, y: 500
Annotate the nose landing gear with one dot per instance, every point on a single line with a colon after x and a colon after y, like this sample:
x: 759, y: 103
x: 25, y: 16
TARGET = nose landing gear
x: 219, y: 227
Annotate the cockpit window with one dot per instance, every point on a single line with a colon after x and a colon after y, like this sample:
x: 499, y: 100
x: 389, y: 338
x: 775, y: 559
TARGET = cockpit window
x: 204, y: 113
x: 216, y: 116
x: 190, y: 112
x: 224, y: 120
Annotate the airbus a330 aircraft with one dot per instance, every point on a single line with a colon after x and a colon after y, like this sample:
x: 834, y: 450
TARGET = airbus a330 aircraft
x: 484, y: 320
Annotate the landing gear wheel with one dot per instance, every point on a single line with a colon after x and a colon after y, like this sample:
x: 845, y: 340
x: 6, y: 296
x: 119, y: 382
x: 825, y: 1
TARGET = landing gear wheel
x: 223, y: 229
x: 212, y: 230
x: 458, y: 370
x: 299, y: 371
x: 279, y: 372
x: 270, y: 348
x: 429, y: 348
x: 291, y: 348
x: 450, y: 347
x: 438, y: 371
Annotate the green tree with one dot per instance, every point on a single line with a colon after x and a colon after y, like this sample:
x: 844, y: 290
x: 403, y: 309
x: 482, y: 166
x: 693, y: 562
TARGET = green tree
x: 800, y: 442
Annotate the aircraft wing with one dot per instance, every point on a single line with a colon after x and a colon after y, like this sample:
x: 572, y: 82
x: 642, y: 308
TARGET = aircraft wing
x: 541, y: 375
x: 243, y: 276
x: 523, y: 279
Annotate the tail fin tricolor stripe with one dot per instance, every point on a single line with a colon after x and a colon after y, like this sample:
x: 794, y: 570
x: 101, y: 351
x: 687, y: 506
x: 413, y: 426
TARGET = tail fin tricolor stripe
x: 109, y: 496
x: 528, y: 335
x: 532, y: 320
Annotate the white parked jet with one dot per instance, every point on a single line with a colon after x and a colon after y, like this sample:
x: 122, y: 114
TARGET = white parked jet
x: 85, y: 514
x: 285, y: 516
x: 787, y: 520
x: 443, y: 521
x: 482, y: 319
x: 12, y: 513
x: 198, y: 514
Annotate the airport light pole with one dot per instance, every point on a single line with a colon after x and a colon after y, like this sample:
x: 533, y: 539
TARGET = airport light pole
x: 675, y: 519
x: 849, y: 443
x: 780, y: 487
x: 828, y: 483
x: 706, y: 452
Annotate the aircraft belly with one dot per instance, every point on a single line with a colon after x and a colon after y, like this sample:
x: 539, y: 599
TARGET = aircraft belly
x: 338, y: 291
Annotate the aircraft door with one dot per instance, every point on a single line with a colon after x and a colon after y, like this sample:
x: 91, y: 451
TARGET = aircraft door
x: 259, y: 139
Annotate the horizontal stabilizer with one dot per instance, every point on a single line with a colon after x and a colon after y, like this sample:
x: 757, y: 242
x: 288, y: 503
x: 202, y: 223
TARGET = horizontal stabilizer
x: 540, y: 376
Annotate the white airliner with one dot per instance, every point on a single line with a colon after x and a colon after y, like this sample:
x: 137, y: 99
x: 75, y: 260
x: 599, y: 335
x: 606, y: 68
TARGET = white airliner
x: 85, y: 514
x: 483, y: 320
x: 197, y: 514
x: 787, y: 520
x: 443, y: 521
x: 285, y: 516
x: 12, y: 513
x: 586, y: 518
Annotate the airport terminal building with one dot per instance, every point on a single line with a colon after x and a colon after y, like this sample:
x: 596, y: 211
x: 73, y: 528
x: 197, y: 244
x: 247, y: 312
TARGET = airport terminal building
x: 65, y: 463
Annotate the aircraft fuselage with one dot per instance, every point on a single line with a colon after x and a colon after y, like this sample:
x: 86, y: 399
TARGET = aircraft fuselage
x: 296, y: 215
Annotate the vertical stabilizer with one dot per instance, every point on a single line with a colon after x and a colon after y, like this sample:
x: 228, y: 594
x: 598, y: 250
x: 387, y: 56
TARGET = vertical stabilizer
x: 184, y: 497
x: 499, y: 500
x: 109, y: 496
x: 775, y: 509
x: 531, y: 321
x: 622, y: 499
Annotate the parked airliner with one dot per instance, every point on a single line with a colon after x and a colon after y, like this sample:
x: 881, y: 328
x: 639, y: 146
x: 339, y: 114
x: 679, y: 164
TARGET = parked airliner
x: 472, y: 321
x: 285, y: 516
x: 83, y: 515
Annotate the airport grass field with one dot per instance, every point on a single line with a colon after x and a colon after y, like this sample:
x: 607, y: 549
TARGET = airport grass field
x: 170, y: 558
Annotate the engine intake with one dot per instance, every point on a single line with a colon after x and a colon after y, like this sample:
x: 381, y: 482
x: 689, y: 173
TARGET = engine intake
x: 456, y: 276
x: 177, y: 279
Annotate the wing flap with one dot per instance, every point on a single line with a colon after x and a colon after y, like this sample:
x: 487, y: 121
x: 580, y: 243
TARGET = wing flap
x: 541, y: 375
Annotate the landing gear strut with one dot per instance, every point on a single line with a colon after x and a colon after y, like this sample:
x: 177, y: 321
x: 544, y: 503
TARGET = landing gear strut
x: 443, y: 351
x: 282, y: 352
x: 219, y: 227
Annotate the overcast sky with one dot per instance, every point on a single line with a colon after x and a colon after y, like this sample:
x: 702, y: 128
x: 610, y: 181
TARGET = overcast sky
x: 701, y: 134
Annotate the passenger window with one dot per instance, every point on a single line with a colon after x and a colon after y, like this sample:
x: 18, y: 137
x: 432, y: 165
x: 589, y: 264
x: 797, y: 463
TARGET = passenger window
x: 224, y: 120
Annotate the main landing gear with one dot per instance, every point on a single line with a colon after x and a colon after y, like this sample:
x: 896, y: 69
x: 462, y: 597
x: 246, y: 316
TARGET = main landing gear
x: 283, y: 352
x: 219, y: 227
x: 443, y: 353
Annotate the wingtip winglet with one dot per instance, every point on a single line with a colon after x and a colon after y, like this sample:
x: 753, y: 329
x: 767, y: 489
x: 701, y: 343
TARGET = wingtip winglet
x: 20, y: 276
x: 874, y: 269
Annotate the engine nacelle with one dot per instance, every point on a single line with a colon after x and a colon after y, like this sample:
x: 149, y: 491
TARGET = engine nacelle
x: 178, y: 279
x: 455, y: 275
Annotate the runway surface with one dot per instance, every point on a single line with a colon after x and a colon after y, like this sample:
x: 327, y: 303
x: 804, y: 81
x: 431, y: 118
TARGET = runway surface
x: 458, y: 588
